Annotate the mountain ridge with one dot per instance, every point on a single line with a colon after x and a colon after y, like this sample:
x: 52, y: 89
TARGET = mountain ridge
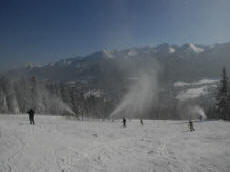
x: 188, y: 61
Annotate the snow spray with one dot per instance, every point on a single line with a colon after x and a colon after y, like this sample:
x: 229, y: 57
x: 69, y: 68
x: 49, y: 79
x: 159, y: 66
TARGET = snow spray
x: 196, y: 112
x: 140, y: 96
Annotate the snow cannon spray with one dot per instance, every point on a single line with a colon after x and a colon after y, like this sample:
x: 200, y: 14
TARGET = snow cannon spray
x: 141, y: 95
x: 196, y: 112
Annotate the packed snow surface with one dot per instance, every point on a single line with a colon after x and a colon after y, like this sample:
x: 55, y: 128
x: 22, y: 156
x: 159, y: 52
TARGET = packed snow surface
x: 57, y: 144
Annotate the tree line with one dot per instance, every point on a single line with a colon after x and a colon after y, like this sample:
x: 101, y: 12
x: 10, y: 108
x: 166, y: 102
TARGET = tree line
x: 46, y: 97
x: 223, y: 97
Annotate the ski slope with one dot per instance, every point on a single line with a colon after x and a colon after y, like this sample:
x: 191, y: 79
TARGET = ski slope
x: 56, y: 144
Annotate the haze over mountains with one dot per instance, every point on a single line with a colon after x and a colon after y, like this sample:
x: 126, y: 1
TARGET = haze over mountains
x: 187, y: 63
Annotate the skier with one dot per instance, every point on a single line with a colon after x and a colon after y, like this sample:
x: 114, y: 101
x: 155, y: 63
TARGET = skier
x: 124, y: 122
x: 141, y: 121
x: 31, y: 116
x: 190, y: 124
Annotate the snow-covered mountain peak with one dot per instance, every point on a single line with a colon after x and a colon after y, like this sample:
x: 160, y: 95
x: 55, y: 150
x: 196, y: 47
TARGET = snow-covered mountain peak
x: 192, y: 48
x: 31, y: 66
x: 110, y: 54
x: 64, y: 62
x: 132, y: 52
x: 165, y: 48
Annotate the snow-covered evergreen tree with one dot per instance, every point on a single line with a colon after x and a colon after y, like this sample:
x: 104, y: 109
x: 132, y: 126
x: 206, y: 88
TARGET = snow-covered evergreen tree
x: 222, y: 97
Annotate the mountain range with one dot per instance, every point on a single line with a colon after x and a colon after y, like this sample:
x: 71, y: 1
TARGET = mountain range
x: 187, y: 62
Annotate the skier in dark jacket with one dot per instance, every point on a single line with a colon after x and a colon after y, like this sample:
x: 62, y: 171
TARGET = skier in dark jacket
x: 31, y: 116
x: 190, y: 124
x: 141, y: 121
x: 124, y: 122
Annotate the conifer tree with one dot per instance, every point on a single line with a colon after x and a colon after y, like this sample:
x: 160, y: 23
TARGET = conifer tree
x: 222, y: 97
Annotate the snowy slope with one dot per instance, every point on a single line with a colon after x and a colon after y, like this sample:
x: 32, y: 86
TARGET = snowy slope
x: 198, y: 83
x: 192, y: 93
x: 192, y: 90
x: 56, y: 144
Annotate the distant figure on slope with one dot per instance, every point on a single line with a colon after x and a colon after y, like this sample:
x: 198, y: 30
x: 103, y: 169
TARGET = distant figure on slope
x: 31, y: 116
x: 141, y: 121
x: 190, y: 125
x: 124, y: 122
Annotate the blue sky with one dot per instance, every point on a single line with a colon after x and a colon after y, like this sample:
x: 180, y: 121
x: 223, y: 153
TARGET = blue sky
x: 41, y: 31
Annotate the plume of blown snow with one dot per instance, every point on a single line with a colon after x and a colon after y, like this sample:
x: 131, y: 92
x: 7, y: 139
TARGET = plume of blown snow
x: 196, y: 112
x: 57, y: 106
x: 141, y: 94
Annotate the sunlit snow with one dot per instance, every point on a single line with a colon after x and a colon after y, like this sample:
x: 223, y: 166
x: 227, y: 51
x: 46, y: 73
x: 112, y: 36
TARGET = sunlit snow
x: 56, y: 144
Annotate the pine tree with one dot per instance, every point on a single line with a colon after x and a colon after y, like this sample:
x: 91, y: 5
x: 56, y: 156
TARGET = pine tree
x: 222, y: 98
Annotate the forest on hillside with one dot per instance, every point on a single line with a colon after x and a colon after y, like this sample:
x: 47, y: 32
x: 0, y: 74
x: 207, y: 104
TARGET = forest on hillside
x: 82, y: 100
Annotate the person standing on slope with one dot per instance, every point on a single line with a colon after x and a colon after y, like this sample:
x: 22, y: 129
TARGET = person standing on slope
x: 124, y: 122
x: 190, y: 125
x: 141, y: 121
x: 31, y: 116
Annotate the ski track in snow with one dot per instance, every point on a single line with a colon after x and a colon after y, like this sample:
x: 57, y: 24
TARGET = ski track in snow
x: 56, y: 144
